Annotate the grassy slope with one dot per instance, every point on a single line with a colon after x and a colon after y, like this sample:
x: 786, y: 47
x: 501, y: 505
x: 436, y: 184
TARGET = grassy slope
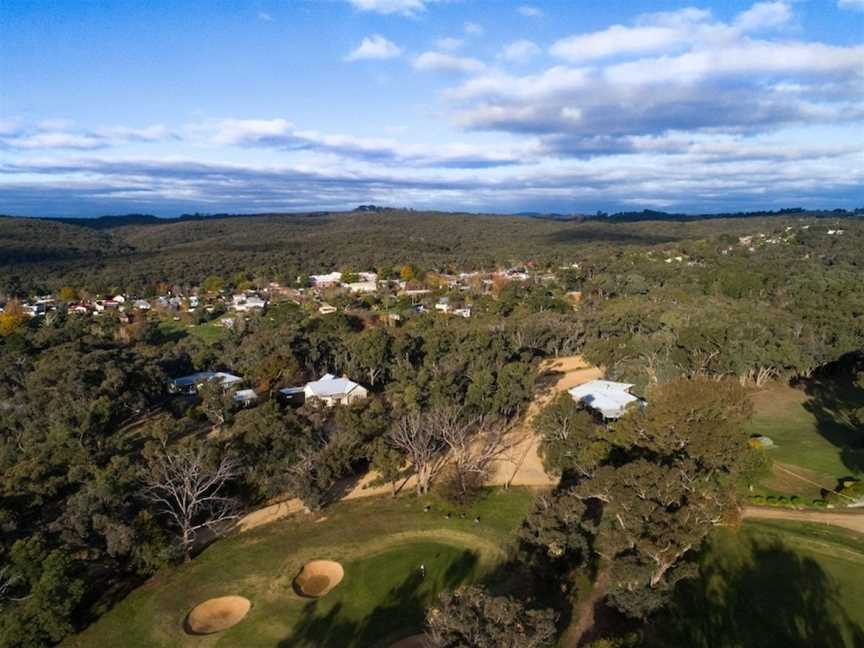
x: 775, y: 584
x: 380, y: 542
x: 810, y: 438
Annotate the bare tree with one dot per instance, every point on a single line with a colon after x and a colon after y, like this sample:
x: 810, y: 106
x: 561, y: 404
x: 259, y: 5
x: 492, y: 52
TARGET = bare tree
x: 473, y: 444
x: 416, y: 436
x: 189, y: 489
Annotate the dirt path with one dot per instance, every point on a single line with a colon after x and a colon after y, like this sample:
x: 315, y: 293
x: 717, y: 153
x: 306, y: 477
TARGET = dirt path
x: 584, y: 614
x: 853, y: 520
x: 521, y: 465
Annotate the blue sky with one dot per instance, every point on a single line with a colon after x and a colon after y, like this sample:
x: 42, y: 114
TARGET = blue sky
x: 478, y: 105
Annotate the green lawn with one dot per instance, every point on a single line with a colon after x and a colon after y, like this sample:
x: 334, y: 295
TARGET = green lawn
x: 381, y: 544
x: 815, y: 433
x: 209, y: 333
x: 784, y: 584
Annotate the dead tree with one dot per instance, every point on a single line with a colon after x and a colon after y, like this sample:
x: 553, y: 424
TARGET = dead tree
x: 189, y: 490
x: 473, y: 445
x: 416, y: 436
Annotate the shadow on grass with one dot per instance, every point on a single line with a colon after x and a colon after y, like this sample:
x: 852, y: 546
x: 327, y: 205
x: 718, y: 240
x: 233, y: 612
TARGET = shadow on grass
x: 401, y: 612
x: 757, y: 593
x: 838, y: 405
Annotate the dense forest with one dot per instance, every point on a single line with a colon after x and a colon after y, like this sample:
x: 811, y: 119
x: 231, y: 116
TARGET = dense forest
x: 688, y: 311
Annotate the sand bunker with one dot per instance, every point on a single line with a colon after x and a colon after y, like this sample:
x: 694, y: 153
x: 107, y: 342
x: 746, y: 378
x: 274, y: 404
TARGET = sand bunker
x: 318, y: 577
x: 217, y: 614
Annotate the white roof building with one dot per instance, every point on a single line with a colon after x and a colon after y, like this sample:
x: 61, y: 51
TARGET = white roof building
x: 323, y: 280
x: 362, y: 286
x: 245, y: 397
x: 333, y: 390
x: 243, y: 304
x: 190, y: 383
x: 609, y: 398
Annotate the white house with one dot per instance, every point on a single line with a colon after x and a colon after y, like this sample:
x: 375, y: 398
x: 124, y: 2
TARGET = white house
x: 244, y: 303
x: 335, y: 391
x: 189, y: 384
x: 609, y: 398
x: 362, y: 286
x: 142, y: 304
x: 463, y: 312
x: 325, y: 280
x: 245, y: 397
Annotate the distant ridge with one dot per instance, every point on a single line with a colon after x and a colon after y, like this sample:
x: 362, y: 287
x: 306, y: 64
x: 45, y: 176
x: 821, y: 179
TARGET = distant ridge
x: 121, y: 220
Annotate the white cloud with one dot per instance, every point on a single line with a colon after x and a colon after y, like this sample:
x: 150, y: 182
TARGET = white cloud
x: 61, y: 134
x: 554, y: 82
x: 473, y: 29
x: 374, y: 47
x: 449, y: 44
x: 670, y: 32
x: 671, y: 70
x: 763, y: 15
x: 520, y: 51
x: 404, y: 7
x: 856, y: 5
x: 442, y: 62
x: 614, y: 40
x: 744, y: 57
x: 530, y: 11
x: 264, y: 16
x: 282, y: 135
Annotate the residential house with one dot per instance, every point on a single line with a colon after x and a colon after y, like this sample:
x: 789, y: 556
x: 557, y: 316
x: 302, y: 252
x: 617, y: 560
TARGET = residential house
x: 326, y: 280
x: 80, y: 309
x: 609, y: 398
x: 363, y: 286
x: 293, y: 395
x: 245, y: 397
x: 245, y: 303
x: 335, y: 391
x: 190, y: 384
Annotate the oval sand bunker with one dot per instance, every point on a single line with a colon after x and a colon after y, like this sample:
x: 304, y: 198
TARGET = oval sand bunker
x: 217, y: 614
x: 318, y: 577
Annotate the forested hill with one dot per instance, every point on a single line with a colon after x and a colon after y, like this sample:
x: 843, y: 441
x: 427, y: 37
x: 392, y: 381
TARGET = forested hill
x: 45, y: 254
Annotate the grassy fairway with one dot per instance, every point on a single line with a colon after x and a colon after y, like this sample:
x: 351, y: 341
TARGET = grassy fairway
x: 814, y: 433
x: 380, y: 542
x: 770, y: 584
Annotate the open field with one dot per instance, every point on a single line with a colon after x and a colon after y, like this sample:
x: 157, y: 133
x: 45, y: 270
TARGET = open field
x: 774, y: 583
x: 814, y: 434
x: 380, y: 542
x: 209, y: 332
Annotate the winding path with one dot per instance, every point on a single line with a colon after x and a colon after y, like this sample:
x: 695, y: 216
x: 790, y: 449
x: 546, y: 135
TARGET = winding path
x: 853, y: 520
